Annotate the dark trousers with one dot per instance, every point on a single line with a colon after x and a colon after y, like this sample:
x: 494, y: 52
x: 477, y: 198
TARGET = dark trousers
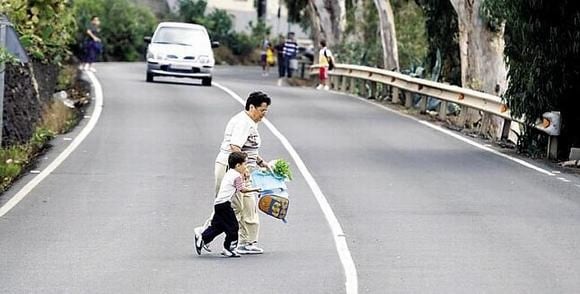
x: 92, y: 51
x: 224, y: 221
x: 281, y: 65
x: 287, y: 66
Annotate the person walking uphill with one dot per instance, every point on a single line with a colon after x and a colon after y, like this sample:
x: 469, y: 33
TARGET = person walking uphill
x: 241, y: 134
x: 224, y: 219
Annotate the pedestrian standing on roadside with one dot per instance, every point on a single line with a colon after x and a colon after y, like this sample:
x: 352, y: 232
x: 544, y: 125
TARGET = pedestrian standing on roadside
x: 290, y: 52
x: 326, y: 62
x: 241, y: 134
x: 224, y: 218
x: 92, y: 44
x: 264, y: 56
x: 280, y: 59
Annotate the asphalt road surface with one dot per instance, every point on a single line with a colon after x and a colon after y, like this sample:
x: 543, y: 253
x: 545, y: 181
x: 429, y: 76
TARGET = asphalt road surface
x: 422, y: 212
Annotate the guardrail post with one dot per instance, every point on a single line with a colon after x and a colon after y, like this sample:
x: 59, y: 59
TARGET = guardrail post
x: 408, y: 99
x: 337, y: 82
x: 423, y: 104
x: 552, y: 147
x: 363, y: 92
x: 462, y: 116
x: 384, y: 92
x: 443, y: 110
x: 344, y: 83
x: 352, y: 87
x: 395, y: 95
x: 374, y: 91
x: 505, y: 129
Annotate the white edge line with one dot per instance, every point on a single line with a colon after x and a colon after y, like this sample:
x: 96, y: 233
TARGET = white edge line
x: 337, y: 232
x: 65, y: 153
x: 454, y: 135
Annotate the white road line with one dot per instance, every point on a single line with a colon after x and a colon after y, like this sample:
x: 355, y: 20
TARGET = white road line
x: 456, y: 136
x: 337, y: 232
x: 61, y: 157
x: 564, y: 180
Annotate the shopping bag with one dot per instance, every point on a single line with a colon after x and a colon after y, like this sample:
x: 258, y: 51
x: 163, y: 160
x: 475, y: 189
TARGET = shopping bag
x: 273, y: 195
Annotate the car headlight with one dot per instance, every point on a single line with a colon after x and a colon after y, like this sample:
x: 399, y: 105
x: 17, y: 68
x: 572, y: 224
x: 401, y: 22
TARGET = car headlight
x: 155, y: 55
x: 204, y: 59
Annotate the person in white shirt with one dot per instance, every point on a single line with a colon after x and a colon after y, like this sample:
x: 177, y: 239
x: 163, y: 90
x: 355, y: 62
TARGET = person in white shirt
x: 325, y: 58
x: 242, y: 134
x: 224, y: 219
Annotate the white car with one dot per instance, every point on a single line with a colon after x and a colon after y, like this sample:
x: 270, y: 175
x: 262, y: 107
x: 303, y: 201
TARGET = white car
x: 180, y: 50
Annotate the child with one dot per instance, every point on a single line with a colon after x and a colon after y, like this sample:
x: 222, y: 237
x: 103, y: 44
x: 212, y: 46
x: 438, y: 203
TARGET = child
x: 224, y: 219
x: 326, y: 61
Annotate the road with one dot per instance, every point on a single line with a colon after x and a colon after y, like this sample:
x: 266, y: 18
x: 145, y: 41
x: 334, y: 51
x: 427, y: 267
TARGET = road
x: 422, y: 212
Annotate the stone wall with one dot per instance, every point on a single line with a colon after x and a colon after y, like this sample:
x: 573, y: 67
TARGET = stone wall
x: 27, y: 89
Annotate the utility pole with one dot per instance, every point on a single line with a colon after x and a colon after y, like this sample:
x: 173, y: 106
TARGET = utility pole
x: 9, y: 44
x: 3, y: 24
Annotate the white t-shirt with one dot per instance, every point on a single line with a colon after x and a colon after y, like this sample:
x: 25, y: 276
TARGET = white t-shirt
x: 241, y: 131
x: 231, y: 183
x: 322, y: 59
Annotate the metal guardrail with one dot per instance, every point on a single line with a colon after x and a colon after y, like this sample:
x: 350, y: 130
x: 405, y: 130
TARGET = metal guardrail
x: 345, y: 78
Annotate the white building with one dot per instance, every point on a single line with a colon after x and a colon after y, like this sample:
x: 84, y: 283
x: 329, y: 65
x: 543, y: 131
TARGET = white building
x: 244, y: 11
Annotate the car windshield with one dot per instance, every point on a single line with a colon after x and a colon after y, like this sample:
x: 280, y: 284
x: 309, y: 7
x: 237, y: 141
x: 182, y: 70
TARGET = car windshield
x: 181, y: 36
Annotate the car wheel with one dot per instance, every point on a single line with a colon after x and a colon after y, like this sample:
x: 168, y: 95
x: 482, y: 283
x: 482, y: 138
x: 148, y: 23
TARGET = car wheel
x: 206, y: 81
x: 149, y: 78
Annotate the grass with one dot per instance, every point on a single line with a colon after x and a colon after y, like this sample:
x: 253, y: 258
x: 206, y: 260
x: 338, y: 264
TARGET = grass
x: 56, y: 119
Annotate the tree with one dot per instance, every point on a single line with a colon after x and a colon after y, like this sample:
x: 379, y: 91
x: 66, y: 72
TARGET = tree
x: 328, y: 19
x: 355, y: 10
x: 442, y: 31
x: 388, y: 35
x: 481, y: 49
x: 543, y: 54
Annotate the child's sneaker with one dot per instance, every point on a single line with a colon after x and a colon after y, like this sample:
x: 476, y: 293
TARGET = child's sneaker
x: 198, y: 240
x: 230, y: 253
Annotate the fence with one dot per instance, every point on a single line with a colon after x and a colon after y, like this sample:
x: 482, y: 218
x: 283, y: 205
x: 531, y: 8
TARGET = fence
x: 379, y: 83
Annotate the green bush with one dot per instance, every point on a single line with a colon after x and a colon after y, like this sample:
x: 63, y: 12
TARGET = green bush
x: 40, y: 137
x: 192, y: 11
x: 219, y: 23
x: 44, y: 38
x: 123, y: 26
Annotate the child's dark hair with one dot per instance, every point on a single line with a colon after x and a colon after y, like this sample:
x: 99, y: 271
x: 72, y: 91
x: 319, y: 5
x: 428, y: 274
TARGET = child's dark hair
x: 257, y: 98
x: 235, y: 158
x: 323, y: 43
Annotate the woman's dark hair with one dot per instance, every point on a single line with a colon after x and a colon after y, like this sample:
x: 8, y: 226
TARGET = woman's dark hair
x: 235, y: 158
x: 256, y: 99
x: 93, y: 17
x: 323, y: 43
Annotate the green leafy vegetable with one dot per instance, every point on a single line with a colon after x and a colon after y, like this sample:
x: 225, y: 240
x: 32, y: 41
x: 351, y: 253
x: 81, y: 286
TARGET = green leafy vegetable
x: 282, y: 169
